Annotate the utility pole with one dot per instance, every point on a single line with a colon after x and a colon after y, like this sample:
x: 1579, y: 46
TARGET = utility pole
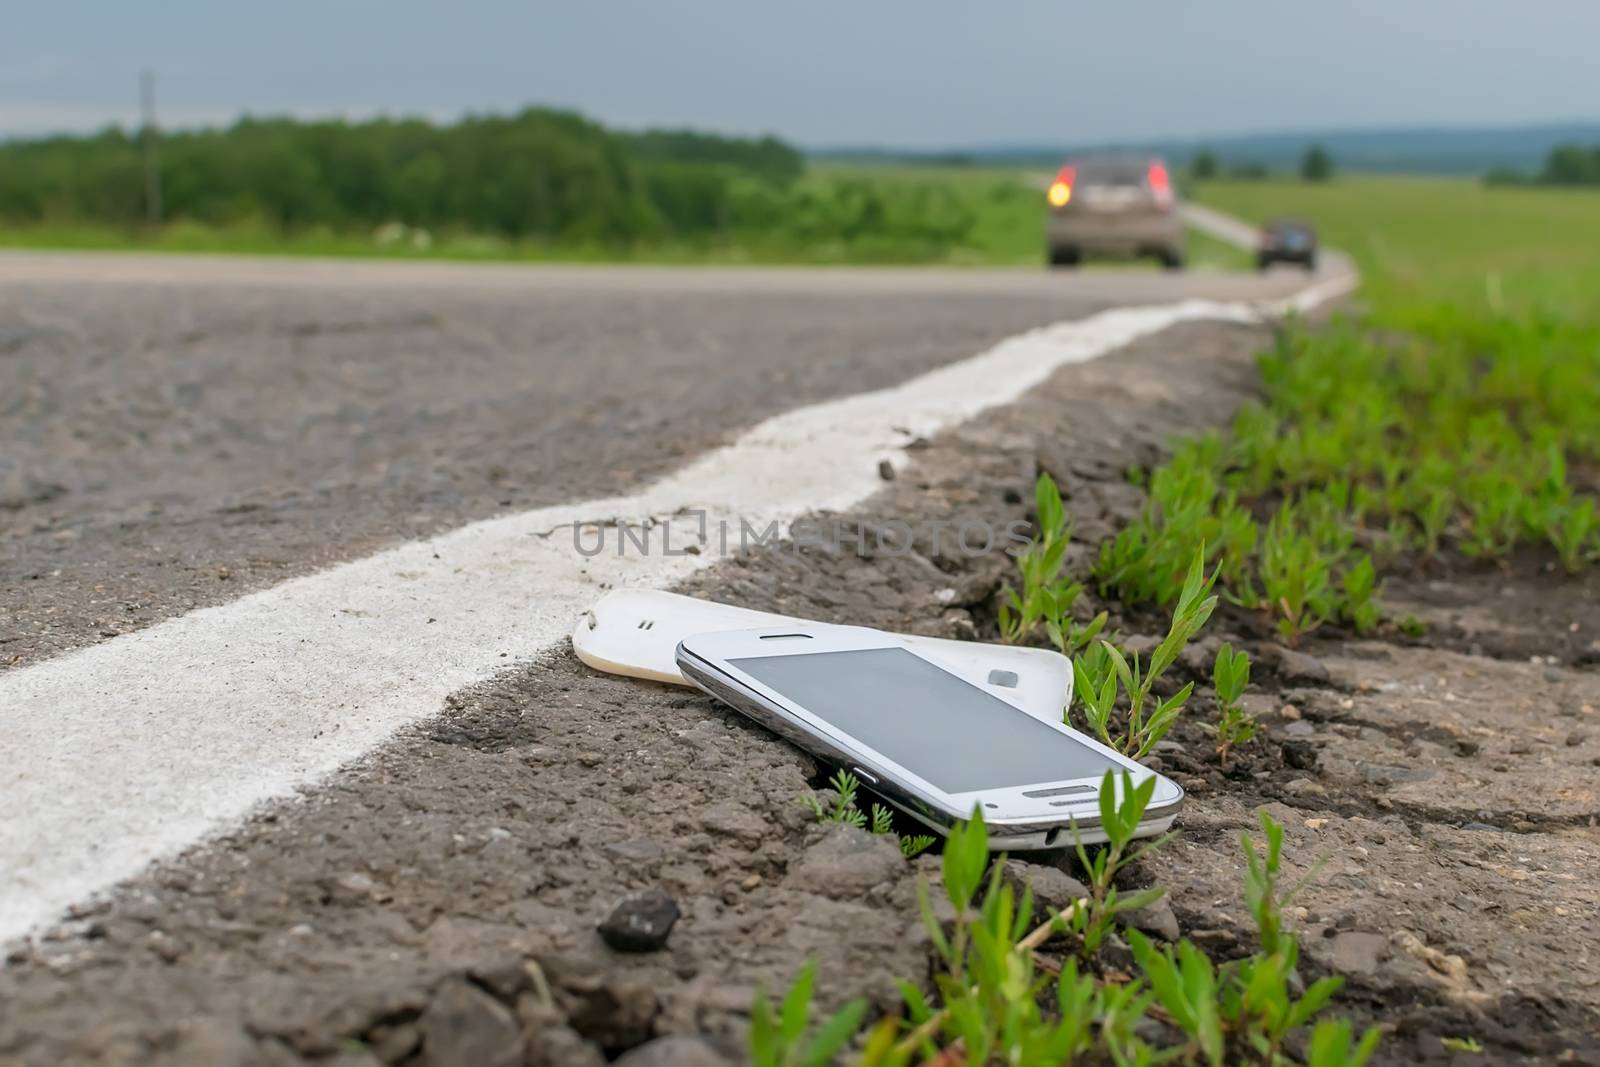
x: 152, y: 168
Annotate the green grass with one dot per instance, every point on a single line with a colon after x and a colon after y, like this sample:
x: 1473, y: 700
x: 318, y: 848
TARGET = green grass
x: 1458, y: 415
x: 1422, y: 242
x: 1010, y: 990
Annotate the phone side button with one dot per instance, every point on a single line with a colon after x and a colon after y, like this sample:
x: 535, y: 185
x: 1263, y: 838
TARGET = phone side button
x: 866, y: 776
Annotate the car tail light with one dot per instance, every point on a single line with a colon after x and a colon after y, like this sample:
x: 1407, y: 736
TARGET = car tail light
x: 1060, y: 193
x: 1160, y: 184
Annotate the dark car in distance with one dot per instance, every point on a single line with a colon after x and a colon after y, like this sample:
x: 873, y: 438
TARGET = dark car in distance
x: 1287, y: 241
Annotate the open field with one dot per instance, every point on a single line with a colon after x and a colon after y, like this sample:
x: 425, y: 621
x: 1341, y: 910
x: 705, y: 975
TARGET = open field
x: 1431, y: 240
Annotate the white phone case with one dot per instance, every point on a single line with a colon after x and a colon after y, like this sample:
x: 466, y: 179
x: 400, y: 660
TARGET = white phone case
x: 635, y: 632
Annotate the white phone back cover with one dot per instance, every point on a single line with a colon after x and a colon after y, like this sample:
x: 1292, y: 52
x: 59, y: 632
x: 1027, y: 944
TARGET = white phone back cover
x: 635, y: 632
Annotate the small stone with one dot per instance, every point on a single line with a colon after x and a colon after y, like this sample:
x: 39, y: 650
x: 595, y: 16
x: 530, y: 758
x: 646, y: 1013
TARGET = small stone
x: 556, y: 1045
x: 1299, y: 728
x: 1465, y: 747
x: 1157, y: 918
x: 1576, y: 738
x: 640, y: 922
x: 1298, y: 667
x: 1315, y: 824
x: 1359, y: 952
x: 846, y: 862
x: 1301, y: 755
x: 169, y: 949
x: 1199, y: 656
x: 1289, y: 711
x: 1141, y: 644
x: 1169, y: 747
x: 1304, y: 787
x: 463, y: 1024
x: 673, y: 1052
x: 1053, y: 890
x: 885, y: 470
x: 1450, y: 966
x: 636, y: 850
x: 215, y: 1043
x: 733, y: 819
x: 1392, y: 774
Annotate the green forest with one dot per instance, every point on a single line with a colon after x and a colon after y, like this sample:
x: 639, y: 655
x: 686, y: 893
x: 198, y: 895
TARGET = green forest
x: 539, y: 179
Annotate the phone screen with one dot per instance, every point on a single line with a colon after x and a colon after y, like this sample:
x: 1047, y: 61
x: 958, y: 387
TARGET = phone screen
x: 941, y: 728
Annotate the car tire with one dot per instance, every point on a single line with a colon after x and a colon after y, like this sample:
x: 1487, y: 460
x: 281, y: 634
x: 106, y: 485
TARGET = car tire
x: 1263, y: 261
x: 1064, y: 256
x: 1171, y: 258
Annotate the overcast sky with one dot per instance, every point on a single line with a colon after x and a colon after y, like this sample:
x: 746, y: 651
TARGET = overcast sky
x: 829, y: 72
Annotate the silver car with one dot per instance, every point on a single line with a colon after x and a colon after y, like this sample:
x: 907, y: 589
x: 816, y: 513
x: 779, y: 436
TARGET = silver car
x: 1114, y: 206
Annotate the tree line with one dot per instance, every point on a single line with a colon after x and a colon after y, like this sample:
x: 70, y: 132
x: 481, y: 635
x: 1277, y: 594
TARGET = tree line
x: 1567, y: 164
x: 1316, y: 165
x: 541, y: 174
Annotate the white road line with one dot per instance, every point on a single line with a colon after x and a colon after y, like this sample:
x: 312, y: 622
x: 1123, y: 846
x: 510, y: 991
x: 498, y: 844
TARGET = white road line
x: 132, y: 749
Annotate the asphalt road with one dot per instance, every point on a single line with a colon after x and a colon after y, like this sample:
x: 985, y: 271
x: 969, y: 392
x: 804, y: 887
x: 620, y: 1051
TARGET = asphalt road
x: 180, y: 430
x: 353, y: 469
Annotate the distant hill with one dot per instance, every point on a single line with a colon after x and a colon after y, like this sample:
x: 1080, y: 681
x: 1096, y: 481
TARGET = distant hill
x: 1419, y: 149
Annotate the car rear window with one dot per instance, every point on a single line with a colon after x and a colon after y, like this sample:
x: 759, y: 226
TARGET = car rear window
x: 1111, y: 172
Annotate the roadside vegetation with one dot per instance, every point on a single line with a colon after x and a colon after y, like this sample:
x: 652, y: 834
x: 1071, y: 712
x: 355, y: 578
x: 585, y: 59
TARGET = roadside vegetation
x: 540, y: 185
x: 1019, y: 984
x: 1453, y: 418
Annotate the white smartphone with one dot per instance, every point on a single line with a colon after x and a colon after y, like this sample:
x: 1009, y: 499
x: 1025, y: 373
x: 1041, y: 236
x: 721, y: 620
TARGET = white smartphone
x: 923, y: 738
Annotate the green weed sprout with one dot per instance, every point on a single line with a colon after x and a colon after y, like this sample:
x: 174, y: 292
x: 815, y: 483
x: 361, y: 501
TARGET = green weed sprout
x: 992, y: 987
x: 1244, y: 1010
x: 1047, y: 598
x: 1234, y: 726
x: 1098, y: 672
x: 843, y: 810
x: 1573, y: 529
x: 1092, y: 918
x: 992, y: 1000
x: 1359, y: 605
x: 1461, y: 1044
x: 779, y: 1038
x: 1295, y: 573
